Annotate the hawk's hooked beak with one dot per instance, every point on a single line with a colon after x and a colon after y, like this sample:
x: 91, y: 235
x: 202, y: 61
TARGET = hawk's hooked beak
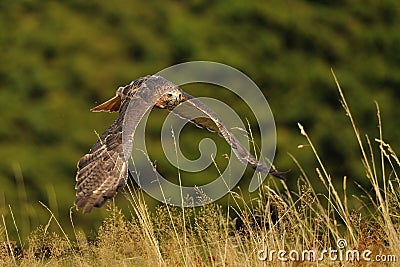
x: 175, y: 97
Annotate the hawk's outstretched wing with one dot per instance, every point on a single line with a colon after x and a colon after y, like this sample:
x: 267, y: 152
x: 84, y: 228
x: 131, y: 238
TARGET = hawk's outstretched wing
x: 206, y: 118
x: 102, y: 170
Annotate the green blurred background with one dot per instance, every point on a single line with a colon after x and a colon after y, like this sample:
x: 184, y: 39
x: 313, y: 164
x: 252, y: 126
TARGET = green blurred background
x: 60, y: 58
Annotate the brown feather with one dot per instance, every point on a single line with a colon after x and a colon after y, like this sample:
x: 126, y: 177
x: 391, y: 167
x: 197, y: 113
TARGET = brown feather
x: 111, y: 105
x: 102, y: 171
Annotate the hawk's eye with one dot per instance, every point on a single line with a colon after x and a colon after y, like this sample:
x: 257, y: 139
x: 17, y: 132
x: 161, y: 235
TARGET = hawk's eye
x: 169, y: 94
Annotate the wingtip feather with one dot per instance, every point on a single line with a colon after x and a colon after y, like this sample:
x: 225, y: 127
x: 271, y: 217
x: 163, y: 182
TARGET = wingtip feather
x: 111, y: 105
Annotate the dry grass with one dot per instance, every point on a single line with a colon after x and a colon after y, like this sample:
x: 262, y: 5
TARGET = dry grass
x: 208, y: 236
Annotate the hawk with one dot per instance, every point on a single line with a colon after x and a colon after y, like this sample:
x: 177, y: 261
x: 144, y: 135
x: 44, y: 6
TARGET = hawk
x: 104, y: 169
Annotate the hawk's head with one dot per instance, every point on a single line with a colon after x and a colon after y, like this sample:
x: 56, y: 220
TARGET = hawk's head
x: 170, y: 99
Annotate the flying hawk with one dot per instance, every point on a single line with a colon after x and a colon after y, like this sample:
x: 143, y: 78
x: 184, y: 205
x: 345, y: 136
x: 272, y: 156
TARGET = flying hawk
x: 104, y: 169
